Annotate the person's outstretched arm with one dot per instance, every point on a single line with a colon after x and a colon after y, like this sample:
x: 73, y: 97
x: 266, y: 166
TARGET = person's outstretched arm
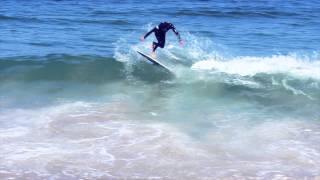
x: 177, y: 34
x: 175, y: 31
x: 145, y: 36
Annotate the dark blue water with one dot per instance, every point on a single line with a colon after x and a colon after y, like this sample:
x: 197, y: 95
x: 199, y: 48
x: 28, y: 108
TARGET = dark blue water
x: 77, y: 101
x: 92, y: 27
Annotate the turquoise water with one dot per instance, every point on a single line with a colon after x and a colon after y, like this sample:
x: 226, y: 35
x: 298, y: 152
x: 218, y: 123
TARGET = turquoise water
x: 77, y: 101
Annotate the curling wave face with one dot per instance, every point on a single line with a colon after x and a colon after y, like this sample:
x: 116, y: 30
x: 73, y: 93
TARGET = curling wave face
x: 110, y: 117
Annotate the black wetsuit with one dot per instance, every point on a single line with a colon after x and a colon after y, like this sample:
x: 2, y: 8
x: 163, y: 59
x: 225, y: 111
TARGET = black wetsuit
x: 160, y: 33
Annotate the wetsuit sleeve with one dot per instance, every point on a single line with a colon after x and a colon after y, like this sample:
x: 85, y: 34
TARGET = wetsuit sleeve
x: 152, y: 30
x: 175, y: 31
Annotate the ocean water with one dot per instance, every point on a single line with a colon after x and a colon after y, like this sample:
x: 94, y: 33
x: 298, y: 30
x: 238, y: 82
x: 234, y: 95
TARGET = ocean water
x: 77, y: 101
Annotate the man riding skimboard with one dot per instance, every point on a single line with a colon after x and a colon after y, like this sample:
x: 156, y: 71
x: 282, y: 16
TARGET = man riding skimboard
x: 160, y: 33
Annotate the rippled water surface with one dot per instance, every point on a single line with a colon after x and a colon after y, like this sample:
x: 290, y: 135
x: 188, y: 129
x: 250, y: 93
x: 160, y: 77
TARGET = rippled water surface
x: 77, y: 101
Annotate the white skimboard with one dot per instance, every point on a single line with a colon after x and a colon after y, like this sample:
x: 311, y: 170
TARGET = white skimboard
x: 154, y: 61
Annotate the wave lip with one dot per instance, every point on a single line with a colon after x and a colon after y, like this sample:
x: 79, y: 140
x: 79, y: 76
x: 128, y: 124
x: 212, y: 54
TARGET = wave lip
x: 250, y: 66
x: 61, y: 67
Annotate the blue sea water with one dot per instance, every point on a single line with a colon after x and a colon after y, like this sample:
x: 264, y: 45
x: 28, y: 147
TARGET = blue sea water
x: 77, y: 101
x: 92, y: 27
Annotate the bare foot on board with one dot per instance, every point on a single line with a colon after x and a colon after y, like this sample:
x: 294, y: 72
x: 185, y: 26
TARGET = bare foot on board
x: 153, y: 55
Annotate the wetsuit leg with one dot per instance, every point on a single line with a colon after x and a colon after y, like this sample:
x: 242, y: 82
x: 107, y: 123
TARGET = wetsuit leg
x: 161, y: 40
